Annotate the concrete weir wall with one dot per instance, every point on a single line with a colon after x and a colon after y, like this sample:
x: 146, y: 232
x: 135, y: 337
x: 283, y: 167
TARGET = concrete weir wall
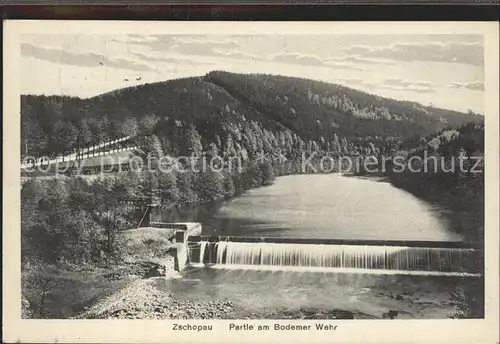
x: 190, y: 245
x: 183, y: 230
x: 314, y: 241
x: 180, y: 250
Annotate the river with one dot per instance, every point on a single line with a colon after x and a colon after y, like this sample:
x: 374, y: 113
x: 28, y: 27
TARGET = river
x: 321, y: 206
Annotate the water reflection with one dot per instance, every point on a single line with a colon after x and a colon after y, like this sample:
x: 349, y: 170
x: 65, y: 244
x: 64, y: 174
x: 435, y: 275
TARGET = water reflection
x: 322, y: 206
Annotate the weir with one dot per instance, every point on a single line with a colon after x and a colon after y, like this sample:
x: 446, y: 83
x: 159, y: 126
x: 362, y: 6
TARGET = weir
x: 353, y: 256
x: 315, y: 241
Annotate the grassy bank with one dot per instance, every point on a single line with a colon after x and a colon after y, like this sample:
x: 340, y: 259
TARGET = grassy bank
x: 63, y: 291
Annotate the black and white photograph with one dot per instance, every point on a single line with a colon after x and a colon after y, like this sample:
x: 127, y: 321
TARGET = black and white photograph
x: 238, y: 175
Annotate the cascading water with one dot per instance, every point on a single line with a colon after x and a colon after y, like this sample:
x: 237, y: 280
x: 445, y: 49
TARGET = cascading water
x: 350, y: 258
x: 202, y: 252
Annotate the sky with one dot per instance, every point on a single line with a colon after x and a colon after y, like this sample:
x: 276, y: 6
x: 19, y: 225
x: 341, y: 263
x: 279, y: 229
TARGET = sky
x: 443, y: 70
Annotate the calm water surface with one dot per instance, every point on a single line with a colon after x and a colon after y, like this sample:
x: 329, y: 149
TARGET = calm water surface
x: 323, y: 206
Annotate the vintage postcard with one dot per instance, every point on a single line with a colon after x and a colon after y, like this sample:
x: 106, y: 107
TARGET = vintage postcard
x: 308, y: 182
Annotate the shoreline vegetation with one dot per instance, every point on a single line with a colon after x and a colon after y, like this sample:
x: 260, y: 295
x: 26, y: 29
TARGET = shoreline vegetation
x: 79, y: 245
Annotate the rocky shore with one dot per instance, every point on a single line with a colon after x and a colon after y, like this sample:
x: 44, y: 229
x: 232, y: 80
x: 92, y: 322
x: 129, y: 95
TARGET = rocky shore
x: 140, y: 300
x: 143, y: 269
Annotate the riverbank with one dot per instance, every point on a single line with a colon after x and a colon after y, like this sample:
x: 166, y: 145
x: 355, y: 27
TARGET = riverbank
x: 142, y: 299
x: 375, y: 177
x: 462, y: 206
x: 64, y: 291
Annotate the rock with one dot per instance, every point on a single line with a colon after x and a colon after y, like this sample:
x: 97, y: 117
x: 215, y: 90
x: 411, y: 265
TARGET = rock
x: 341, y: 314
x: 155, y: 271
x: 390, y: 315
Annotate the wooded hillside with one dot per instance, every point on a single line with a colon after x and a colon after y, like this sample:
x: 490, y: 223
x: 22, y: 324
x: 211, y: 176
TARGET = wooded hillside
x: 230, y: 111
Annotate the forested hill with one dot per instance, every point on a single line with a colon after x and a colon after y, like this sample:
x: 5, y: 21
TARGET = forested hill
x: 227, y: 110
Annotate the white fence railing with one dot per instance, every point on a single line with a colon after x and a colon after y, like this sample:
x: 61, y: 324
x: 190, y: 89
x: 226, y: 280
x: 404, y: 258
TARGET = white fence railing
x: 105, y: 144
x: 85, y: 153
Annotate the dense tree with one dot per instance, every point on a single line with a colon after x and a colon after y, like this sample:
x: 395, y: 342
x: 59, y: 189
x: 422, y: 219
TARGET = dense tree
x: 209, y: 186
x: 85, y: 135
x: 192, y: 143
x: 169, y: 191
x: 148, y: 123
x: 129, y: 127
x: 212, y: 151
x: 268, y: 173
x: 187, y: 194
x: 229, y: 187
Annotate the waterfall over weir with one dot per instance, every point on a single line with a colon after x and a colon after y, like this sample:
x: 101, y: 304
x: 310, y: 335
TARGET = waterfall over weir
x: 339, y: 258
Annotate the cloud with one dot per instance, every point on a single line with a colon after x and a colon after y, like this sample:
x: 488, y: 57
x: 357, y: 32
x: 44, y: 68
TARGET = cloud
x: 190, y: 45
x: 352, y: 80
x: 237, y: 54
x: 229, y: 48
x: 311, y: 60
x: 474, y: 86
x: 407, y: 85
x: 166, y: 61
x: 160, y: 43
x: 159, y: 57
x: 359, y: 59
x: 296, y: 58
x: 204, y: 49
x: 135, y: 39
x: 89, y: 59
x: 214, y: 41
x: 471, y: 53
